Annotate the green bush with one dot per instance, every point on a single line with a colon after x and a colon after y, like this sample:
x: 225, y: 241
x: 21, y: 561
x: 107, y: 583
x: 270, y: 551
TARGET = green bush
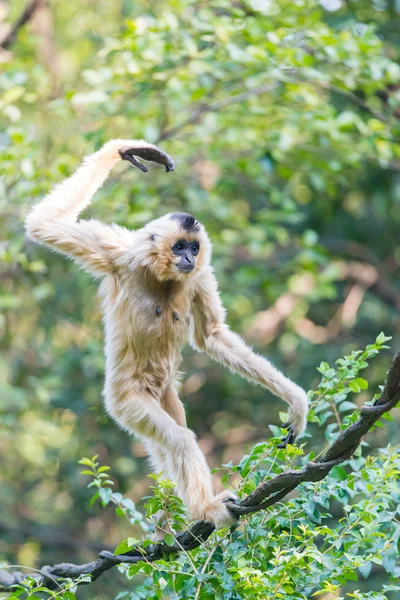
x: 319, y: 541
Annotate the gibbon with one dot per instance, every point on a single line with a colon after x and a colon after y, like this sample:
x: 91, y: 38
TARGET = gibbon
x: 157, y: 289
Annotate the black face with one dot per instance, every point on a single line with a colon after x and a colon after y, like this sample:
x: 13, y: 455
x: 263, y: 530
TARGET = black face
x: 187, y: 252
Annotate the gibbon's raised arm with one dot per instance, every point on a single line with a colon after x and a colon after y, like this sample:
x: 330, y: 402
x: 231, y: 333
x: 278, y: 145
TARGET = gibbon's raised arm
x: 212, y: 335
x: 53, y: 221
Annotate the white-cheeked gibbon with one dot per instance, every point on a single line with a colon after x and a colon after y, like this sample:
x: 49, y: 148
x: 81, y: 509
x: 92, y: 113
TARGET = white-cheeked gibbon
x: 157, y: 288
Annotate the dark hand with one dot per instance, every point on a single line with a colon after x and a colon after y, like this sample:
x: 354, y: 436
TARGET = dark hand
x: 147, y: 152
x: 289, y: 438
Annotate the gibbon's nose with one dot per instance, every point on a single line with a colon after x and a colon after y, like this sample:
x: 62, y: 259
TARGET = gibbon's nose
x: 188, y: 259
x: 187, y: 262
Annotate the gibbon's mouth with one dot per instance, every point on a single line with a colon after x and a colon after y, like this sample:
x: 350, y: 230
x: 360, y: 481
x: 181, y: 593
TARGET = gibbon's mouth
x: 185, y: 268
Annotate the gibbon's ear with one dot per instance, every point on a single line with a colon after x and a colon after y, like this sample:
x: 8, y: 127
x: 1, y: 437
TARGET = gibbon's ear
x: 147, y: 152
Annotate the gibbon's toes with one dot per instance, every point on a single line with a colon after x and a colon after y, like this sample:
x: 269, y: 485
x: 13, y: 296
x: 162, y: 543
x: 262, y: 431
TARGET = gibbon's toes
x: 228, y: 497
x: 229, y: 500
x: 147, y: 152
x: 218, y: 512
x: 289, y: 438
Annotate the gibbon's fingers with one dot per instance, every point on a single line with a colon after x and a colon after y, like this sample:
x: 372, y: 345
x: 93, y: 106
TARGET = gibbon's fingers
x: 289, y: 438
x: 149, y: 152
x: 133, y: 161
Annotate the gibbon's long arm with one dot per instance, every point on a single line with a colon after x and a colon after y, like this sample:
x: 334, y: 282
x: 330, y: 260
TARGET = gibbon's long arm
x: 212, y: 335
x: 95, y: 245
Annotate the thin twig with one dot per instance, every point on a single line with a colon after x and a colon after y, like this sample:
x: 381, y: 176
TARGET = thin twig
x: 343, y: 92
x: 216, y: 106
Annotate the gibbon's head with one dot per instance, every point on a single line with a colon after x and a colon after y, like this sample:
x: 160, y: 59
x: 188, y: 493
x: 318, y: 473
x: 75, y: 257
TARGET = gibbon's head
x: 178, y: 247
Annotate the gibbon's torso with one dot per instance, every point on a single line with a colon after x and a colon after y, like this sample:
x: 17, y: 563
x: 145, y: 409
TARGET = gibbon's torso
x: 146, y: 324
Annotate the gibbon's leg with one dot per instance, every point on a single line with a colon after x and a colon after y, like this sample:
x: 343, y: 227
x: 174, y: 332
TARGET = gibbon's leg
x: 157, y: 457
x: 171, y: 403
x: 184, y: 463
x: 173, y: 406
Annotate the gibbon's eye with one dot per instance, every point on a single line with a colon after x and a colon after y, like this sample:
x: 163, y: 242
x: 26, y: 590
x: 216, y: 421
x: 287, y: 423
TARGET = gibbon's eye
x: 195, y: 248
x: 179, y: 246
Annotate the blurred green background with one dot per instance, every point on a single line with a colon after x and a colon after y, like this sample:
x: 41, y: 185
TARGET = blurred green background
x: 283, y: 119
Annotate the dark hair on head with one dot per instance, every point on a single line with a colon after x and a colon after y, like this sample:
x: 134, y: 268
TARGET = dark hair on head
x: 186, y: 221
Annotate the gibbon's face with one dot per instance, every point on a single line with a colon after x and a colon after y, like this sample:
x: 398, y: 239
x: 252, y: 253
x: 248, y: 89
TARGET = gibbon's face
x: 179, y: 247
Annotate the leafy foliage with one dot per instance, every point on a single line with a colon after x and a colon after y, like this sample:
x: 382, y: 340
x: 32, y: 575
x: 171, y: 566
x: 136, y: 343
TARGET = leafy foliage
x: 329, y: 535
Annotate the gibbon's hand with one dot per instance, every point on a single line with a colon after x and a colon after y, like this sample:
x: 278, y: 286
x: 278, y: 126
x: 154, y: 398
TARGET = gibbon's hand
x: 289, y: 437
x: 147, y: 152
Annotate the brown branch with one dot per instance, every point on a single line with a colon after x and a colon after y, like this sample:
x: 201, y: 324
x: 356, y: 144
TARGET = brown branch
x: 24, y: 17
x: 202, y: 108
x: 216, y: 106
x: 346, y: 93
x: 366, y: 277
x: 267, y: 494
x: 43, y: 28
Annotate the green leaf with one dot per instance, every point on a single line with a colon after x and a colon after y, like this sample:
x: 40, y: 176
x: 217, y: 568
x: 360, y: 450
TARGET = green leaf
x: 86, y: 461
x: 105, y: 495
x: 169, y: 539
x: 136, y: 568
x: 354, y: 386
x: 93, y: 499
x: 387, y: 416
x: 345, y: 406
x: 362, y: 383
x: 382, y: 338
x: 102, y: 469
x: 365, y: 569
x: 122, y: 547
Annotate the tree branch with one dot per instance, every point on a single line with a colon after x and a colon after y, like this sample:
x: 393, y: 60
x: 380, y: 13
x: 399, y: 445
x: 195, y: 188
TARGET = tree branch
x: 267, y: 494
x: 24, y: 17
x: 216, y: 106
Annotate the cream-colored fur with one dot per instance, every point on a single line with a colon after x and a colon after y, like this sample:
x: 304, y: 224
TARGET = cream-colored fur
x: 142, y: 348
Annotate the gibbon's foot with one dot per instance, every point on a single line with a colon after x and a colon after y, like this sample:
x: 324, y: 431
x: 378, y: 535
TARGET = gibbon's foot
x: 218, y: 513
x: 147, y: 152
x: 289, y: 438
